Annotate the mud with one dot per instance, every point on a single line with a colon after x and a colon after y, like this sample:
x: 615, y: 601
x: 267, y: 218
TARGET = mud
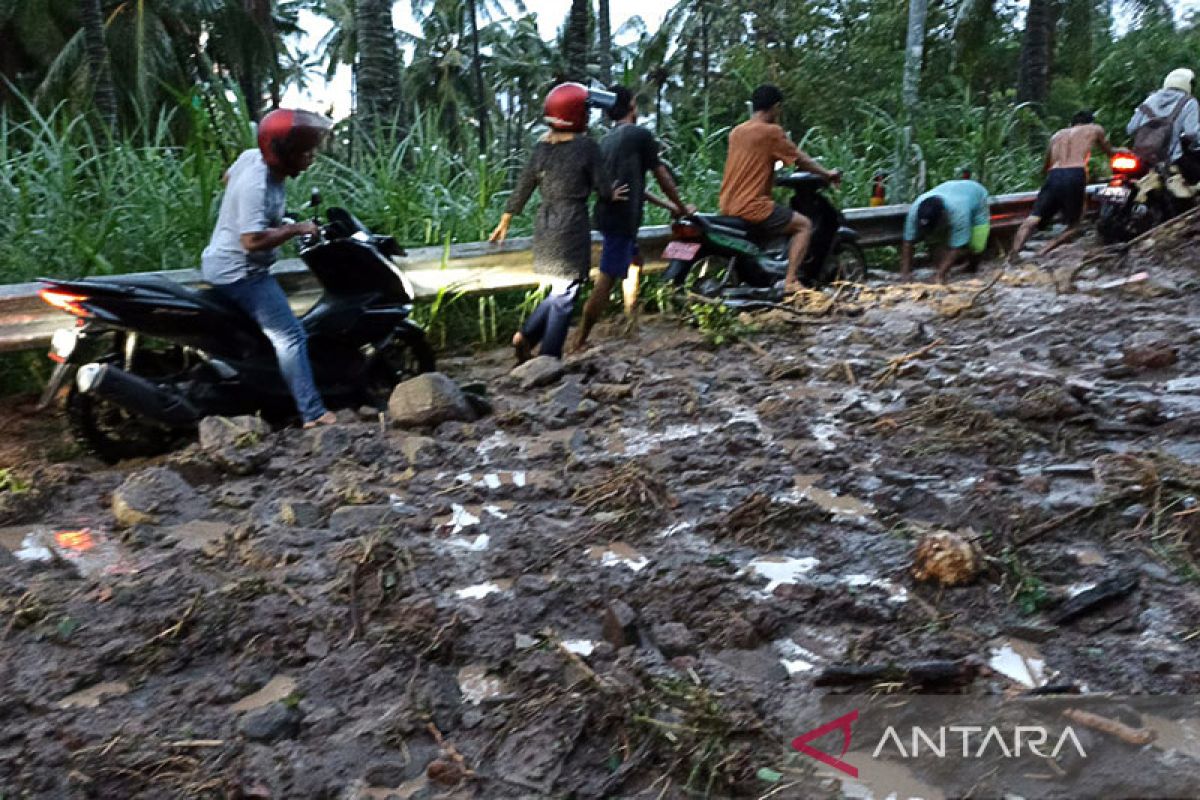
x: 422, y: 614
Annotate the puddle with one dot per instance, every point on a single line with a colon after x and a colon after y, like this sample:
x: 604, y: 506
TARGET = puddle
x: 779, y: 570
x: 90, y: 552
x: 639, y: 443
x: 678, y: 527
x: 496, y: 441
x: 482, y: 590
x: 580, y: 647
x: 495, y: 480
x: 896, y: 593
x: 476, y: 545
x: 823, y: 433
x: 838, y: 505
x: 1019, y: 661
x: 93, y: 696
x: 618, y: 554
x: 462, y: 517
x: 278, y: 688
x: 477, y: 685
x: 795, y: 658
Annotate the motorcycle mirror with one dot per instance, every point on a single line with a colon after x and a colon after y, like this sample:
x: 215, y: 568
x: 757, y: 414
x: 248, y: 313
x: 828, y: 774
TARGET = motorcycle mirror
x: 315, y: 200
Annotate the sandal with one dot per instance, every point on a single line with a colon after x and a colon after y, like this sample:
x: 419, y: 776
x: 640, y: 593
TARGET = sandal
x: 327, y: 418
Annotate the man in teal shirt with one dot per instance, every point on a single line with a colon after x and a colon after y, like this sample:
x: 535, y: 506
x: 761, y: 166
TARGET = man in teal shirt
x: 953, y: 219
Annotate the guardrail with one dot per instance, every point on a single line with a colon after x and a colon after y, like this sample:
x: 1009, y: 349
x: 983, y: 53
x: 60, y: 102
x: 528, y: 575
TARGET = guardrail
x: 26, y: 322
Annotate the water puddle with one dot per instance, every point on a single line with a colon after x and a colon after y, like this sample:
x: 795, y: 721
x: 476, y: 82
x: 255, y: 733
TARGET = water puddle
x: 278, y: 688
x: 462, y: 517
x: 477, y: 685
x: 93, y: 696
x: 482, y: 590
x: 639, y: 443
x: 476, y: 544
x: 780, y: 570
x: 838, y: 505
x: 580, y: 647
x: 796, y: 659
x: 89, y: 551
x: 676, y: 528
x: 824, y: 433
x: 896, y: 593
x: 1019, y: 661
x: 618, y: 554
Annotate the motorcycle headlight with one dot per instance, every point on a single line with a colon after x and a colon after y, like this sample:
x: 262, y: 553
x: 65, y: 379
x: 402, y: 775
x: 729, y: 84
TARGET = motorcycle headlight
x: 87, y: 377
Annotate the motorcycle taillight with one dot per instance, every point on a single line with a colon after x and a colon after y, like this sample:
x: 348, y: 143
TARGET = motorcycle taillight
x: 1125, y: 162
x: 685, y: 230
x: 64, y: 301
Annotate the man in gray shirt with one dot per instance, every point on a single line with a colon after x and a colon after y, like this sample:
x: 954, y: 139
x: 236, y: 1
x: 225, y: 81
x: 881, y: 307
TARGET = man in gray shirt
x: 246, y: 243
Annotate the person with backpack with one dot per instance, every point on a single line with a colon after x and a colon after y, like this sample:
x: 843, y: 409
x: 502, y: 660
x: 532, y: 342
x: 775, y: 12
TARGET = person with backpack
x: 1065, y: 189
x: 1159, y: 125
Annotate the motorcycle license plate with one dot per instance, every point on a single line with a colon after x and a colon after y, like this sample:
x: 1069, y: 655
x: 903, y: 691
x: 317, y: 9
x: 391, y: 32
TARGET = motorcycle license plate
x: 684, y: 251
x: 62, y: 344
x: 1117, y: 193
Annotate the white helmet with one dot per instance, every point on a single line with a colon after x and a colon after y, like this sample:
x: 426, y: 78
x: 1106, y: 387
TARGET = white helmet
x: 1180, y: 79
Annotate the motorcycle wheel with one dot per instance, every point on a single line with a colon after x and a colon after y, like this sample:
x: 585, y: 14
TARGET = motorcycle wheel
x: 1108, y: 225
x: 403, y: 359
x: 708, y: 276
x: 110, y: 432
x: 847, y: 263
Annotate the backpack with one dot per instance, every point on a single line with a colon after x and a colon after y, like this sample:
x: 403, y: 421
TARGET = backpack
x: 1152, y: 140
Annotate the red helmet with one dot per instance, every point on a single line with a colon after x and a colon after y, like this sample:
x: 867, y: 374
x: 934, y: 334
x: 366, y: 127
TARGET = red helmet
x: 566, y: 107
x: 284, y: 135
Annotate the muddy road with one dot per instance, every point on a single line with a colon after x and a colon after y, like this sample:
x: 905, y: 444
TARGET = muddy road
x: 633, y: 579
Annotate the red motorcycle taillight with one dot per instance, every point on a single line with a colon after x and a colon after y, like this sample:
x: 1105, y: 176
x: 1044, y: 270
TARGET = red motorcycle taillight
x: 685, y: 230
x: 1125, y: 162
x: 64, y: 301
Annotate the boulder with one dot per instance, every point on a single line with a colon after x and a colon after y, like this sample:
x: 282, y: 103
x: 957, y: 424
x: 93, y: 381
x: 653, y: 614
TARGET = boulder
x: 673, y: 639
x: 153, y: 496
x: 236, y: 444
x: 276, y: 721
x: 540, y: 371
x: 946, y: 558
x: 427, y: 401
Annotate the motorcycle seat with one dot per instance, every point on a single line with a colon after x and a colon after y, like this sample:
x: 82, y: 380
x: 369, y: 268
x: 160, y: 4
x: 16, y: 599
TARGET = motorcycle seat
x: 737, y: 223
x: 210, y: 298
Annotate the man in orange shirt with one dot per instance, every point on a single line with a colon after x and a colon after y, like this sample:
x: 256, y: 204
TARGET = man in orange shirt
x: 754, y: 147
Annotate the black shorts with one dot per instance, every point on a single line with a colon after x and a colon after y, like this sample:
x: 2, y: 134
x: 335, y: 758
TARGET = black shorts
x: 1064, y: 192
x: 774, y: 225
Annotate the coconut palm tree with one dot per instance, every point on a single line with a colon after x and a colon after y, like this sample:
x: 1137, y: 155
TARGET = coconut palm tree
x: 104, y: 96
x: 378, y: 89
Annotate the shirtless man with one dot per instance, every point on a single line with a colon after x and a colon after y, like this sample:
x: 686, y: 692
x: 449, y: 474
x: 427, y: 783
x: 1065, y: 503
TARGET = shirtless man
x: 1065, y: 189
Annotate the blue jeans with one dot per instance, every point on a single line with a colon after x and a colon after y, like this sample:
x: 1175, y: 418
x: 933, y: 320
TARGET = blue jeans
x: 260, y: 296
x: 550, y: 321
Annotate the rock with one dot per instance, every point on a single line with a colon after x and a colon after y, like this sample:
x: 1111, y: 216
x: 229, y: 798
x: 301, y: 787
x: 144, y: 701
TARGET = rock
x: 1155, y: 355
x: 276, y: 721
x: 946, y: 558
x: 198, y: 534
x: 540, y: 371
x: 316, y: 645
x: 446, y: 772
x: 391, y: 772
x: 298, y: 513
x: 236, y: 444
x: 418, y: 449
x: 330, y: 442
x: 586, y: 408
x: 673, y: 639
x: 569, y: 395
x: 761, y: 665
x: 619, y: 625
x: 153, y: 496
x: 789, y: 371
x: 609, y: 392
x: 355, y: 518
x: 427, y: 401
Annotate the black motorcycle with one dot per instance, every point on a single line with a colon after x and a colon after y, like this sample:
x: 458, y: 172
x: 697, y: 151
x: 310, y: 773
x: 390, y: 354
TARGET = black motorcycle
x: 1139, y: 197
x: 721, y: 256
x: 152, y: 357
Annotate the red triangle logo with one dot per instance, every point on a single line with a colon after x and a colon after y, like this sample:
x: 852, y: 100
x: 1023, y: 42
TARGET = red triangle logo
x: 844, y: 724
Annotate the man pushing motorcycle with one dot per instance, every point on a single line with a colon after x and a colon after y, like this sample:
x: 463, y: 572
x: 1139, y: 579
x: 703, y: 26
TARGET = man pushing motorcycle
x: 246, y: 240
x: 754, y: 148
